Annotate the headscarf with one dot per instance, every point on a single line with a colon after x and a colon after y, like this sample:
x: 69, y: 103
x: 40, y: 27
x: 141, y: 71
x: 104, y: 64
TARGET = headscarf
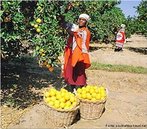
x: 85, y: 16
x: 123, y: 26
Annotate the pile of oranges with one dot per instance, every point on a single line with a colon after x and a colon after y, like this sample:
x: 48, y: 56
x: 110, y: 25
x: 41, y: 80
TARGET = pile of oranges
x: 60, y: 99
x: 66, y: 100
x: 92, y: 93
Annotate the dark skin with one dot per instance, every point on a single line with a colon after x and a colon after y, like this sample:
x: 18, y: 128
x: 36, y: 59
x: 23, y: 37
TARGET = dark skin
x: 81, y: 22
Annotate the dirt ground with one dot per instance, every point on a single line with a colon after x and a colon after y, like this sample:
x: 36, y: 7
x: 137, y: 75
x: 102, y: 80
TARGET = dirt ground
x: 126, y: 104
x: 127, y: 94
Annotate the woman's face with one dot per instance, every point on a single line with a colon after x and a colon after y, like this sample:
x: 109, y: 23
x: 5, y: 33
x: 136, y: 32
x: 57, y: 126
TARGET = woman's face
x: 82, y: 22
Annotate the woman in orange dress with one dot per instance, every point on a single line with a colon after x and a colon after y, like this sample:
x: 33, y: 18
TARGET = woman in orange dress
x: 76, y: 53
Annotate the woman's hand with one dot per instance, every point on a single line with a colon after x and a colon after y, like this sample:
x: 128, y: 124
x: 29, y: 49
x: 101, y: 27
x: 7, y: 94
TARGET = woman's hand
x: 69, y: 6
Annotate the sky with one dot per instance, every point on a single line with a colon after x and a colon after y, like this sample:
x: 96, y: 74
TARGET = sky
x: 127, y: 7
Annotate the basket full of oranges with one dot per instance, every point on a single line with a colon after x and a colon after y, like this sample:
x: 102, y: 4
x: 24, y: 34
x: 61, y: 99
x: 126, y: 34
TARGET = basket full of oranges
x: 92, y: 101
x: 63, y: 106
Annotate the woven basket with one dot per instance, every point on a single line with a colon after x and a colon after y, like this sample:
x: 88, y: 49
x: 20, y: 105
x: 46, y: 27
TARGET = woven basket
x: 91, y: 110
x: 62, y: 118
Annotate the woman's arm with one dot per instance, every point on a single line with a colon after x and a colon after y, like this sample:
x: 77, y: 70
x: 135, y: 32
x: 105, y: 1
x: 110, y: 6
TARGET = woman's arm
x: 65, y: 25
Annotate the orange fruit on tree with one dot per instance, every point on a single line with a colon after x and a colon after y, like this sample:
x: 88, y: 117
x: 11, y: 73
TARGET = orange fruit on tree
x: 42, y: 54
x: 41, y: 50
x: 36, y: 25
x: 48, y: 66
x: 38, y: 30
x: 45, y: 63
x: 51, y: 69
x: 38, y: 20
x: 39, y: 7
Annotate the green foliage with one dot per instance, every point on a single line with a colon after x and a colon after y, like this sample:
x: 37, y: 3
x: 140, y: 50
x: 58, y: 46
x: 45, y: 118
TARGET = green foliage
x: 12, y: 25
x: 46, y: 36
x: 142, y: 18
x: 48, y: 43
x: 13, y: 28
x: 138, y: 24
x: 50, y: 39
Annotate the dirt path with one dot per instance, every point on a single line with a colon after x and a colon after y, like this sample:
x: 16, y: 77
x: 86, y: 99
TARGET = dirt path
x: 127, y: 98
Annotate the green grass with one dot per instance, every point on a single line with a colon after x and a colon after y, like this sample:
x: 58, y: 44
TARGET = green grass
x: 118, y: 68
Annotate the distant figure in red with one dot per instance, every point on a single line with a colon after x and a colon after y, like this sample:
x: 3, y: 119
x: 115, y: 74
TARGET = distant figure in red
x: 120, y: 39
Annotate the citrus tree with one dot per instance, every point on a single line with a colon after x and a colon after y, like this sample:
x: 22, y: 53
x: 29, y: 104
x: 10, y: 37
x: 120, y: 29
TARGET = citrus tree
x: 46, y: 34
x: 142, y: 17
x: 37, y: 22
x: 131, y: 25
x: 138, y: 24
x: 12, y: 28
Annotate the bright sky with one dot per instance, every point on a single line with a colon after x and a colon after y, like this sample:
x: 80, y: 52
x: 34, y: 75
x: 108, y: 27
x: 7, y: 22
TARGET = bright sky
x: 128, y: 7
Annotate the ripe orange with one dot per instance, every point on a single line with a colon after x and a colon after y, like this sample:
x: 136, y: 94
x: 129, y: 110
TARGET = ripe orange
x: 36, y: 25
x: 42, y: 54
x: 48, y: 66
x: 38, y: 20
x: 45, y: 63
x: 39, y: 8
x: 51, y: 69
x: 38, y: 30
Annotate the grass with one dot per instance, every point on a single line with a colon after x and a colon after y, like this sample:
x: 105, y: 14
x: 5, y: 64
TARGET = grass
x: 118, y: 68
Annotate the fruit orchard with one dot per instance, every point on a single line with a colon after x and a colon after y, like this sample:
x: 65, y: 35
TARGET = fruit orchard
x: 37, y: 22
x: 138, y: 24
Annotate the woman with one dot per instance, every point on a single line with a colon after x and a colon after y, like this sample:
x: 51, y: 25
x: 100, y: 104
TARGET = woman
x: 76, y: 57
x: 120, y: 38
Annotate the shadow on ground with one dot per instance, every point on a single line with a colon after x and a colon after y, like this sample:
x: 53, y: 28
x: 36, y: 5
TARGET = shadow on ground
x: 94, y: 48
x: 22, y: 80
x: 142, y: 50
x: 139, y: 50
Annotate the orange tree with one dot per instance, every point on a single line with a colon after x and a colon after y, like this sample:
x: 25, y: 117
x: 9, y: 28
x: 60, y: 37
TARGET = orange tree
x: 15, y: 16
x: 131, y: 25
x: 12, y: 28
x: 37, y: 22
x: 17, y: 19
x: 138, y: 24
x: 46, y: 33
x: 142, y: 18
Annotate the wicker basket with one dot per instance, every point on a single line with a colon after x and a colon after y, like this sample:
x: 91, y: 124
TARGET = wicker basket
x: 62, y: 118
x: 91, y: 110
